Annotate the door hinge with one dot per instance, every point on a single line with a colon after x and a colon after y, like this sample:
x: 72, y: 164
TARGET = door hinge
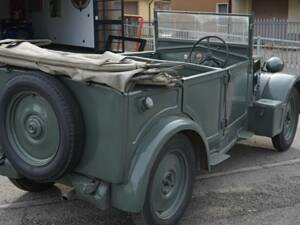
x: 224, y: 123
x: 227, y: 77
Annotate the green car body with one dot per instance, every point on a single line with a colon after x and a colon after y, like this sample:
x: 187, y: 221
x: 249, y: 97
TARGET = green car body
x: 125, y: 132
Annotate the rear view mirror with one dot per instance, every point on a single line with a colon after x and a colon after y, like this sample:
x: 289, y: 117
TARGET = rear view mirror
x: 274, y: 65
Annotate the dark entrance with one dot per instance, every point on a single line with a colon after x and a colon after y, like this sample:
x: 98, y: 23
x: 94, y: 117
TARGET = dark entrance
x: 270, y: 8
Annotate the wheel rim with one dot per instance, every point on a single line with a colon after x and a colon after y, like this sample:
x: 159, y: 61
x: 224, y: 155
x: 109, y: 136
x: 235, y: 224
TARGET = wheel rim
x: 33, y: 129
x: 290, y: 119
x: 169, y: 185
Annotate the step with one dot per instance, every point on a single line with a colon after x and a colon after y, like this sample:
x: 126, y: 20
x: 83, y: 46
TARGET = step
x: 245, y: 134
x: 217, y: 158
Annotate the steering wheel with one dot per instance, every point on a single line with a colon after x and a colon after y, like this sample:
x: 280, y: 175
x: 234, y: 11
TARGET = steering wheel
x: 207, y: 52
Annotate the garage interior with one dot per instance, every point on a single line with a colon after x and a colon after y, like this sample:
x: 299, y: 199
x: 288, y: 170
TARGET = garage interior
x: 68, y: 23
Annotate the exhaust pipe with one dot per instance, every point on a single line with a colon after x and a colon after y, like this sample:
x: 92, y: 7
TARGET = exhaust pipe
x: 68, y: 195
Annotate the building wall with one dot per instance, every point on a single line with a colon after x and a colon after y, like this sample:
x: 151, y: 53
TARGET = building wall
x: 294, y: 10
x: 245, y: 6
x: 271, y: 8
x: 4, y: 9
x: 238, y: 6
x: 143, y: 8
x: 242, y: 6
x: 196, y: 5
x: 74, y: 27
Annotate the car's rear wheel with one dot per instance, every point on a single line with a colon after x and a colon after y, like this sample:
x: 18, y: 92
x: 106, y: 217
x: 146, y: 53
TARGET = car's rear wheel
x: 283, y: 141
x: 41, y: 127
x: 171, y: 184
x: 31, y: 186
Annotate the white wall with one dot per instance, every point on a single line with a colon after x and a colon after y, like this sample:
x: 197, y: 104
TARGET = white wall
x: 4, y: 9
x: 74, y: 27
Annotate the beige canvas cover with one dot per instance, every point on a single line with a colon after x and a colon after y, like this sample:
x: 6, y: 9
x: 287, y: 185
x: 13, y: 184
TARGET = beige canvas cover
x: 112, y: 69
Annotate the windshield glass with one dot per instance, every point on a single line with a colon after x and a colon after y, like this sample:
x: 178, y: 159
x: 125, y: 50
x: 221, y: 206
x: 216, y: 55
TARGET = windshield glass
x: 193, y: 26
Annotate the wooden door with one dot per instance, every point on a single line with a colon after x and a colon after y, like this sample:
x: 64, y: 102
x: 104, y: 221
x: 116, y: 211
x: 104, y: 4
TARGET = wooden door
x: 270, y: 8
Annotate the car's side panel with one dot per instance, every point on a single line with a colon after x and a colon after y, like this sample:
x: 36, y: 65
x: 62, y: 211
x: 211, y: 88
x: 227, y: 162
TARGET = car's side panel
x: 130, y: 196
x: 104, y: 113
x: 166, y: 101
x: 203, y: 101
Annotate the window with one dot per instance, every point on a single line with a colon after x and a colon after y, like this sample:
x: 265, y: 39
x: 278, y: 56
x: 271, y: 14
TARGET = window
x: 55, y: 8
x: 222, y: 8
x: 131, y: 8
x: 160, y: 5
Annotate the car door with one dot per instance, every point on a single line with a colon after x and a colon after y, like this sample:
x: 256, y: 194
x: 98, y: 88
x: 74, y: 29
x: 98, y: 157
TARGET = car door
x: 203, y: 101
x: 237, y: 91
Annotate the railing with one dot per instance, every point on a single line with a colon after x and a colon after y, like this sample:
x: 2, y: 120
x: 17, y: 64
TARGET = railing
x: 277, y: 28
x: 266, y: 28
x: 278, y: 37
x: 287, y: 50
x: 273, y: 38
x: 239, y: 36
x: 147, y: 33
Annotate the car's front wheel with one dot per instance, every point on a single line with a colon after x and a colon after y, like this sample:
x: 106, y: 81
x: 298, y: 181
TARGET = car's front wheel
x: 283, y: 141
x: 171, y: 184
x: 31, y: 186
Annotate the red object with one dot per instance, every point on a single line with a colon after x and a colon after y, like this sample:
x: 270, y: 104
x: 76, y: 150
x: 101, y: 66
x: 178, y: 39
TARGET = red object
x: 135, y: 25
x: 136, y: 21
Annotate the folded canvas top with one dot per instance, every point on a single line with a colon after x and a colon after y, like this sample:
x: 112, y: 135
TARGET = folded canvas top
x: 111, y: 69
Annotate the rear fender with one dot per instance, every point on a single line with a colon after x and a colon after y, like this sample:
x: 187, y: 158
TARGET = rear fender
x: 130, y: 196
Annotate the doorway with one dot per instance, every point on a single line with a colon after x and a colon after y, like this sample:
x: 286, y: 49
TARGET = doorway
x: 270, y: 8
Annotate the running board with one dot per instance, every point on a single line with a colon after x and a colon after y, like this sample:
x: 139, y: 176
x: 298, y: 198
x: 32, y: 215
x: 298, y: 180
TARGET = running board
x: 244, y: 135
x: 217, y: 158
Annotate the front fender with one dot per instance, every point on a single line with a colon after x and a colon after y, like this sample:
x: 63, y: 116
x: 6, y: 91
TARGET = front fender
x: 276, y: 86
x: 130, y: 197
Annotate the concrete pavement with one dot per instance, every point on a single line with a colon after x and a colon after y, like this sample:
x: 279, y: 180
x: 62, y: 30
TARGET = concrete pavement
x: 257, y: 185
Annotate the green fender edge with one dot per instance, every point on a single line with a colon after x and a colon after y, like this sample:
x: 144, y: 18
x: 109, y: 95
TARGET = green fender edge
x: 130, y: 197
x: 277, y: 86
x: 6, y: 169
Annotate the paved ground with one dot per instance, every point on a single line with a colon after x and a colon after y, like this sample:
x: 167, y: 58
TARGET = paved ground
x: 256, y: 186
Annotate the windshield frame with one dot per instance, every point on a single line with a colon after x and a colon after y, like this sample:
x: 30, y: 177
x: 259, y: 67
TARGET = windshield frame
x: 157, y: 46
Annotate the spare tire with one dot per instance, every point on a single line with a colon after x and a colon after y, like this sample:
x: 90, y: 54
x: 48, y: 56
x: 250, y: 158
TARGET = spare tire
x: 41, y: 127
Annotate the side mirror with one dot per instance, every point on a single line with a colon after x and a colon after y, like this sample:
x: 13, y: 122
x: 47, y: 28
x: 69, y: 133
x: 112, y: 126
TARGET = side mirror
x: 274, y: 65
x: 256, y: 65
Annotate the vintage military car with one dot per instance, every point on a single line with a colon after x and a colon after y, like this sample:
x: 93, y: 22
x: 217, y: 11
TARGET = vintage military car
x: 131, y: 131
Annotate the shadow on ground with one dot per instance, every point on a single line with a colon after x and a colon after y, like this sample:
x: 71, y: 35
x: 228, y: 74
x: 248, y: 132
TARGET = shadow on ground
x: 76, y: 212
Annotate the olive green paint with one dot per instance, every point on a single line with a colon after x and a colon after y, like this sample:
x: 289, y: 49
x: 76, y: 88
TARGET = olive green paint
x: 124, y: 136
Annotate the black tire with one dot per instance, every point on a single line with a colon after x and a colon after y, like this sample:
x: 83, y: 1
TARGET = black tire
x: 31, y: 186
x: 50, y: 105
x: 148, y: 216
x: 283, y: 141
